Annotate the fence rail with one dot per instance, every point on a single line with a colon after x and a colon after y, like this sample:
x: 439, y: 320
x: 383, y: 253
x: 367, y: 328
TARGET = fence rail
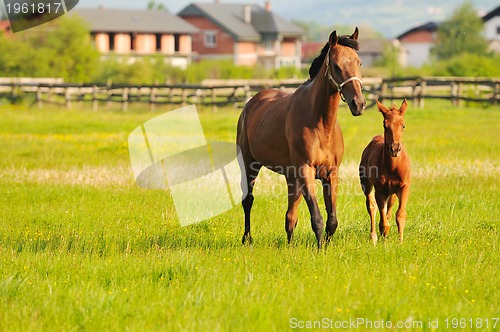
x: 455, y: 89
x: 220, y: 93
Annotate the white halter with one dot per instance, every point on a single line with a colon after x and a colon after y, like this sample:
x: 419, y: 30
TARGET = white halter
x: 332, y: 80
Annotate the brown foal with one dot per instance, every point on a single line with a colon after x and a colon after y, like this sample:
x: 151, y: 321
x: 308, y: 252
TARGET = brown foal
x: 385, y: 166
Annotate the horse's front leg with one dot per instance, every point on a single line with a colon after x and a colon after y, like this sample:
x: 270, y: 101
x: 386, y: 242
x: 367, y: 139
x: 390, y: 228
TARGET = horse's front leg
x: 330, y: 186
x: 294, y: 195
x: 384, y: 225
x: 307, y: 176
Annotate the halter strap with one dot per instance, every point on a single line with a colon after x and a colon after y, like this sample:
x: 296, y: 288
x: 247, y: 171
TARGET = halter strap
x: 332, y: 80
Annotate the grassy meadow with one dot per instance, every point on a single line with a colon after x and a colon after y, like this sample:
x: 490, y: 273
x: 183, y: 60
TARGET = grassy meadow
x: 83, y: 248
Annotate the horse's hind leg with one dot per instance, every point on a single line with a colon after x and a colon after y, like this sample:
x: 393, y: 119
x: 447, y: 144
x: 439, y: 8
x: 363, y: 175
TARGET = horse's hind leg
x: 330, y: 195
x: 247, y: 182
x: 294, y: 196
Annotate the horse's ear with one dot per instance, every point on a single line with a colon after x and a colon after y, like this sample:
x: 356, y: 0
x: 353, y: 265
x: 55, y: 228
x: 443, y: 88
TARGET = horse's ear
x: 355, y: 34
x: 402, y: 109
x: 382, y: 108
x: 333, y: 39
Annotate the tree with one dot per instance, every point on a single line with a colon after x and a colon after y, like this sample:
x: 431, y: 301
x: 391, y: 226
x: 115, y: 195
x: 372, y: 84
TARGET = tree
x: 390, y: 59
x: 156, y: 6
x: 60, y: 48
x: 461, y: 33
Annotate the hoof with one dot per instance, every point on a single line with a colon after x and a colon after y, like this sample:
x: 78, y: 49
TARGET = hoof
x: 373, y: 238
x: 247, y: 239
x: 384, y: 232
x: 328, y: 237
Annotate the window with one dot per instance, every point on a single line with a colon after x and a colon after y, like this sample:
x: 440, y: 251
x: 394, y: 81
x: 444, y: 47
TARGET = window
x: 498, y: 30
x: 210, y: 38
x: 132, y: 41
x: 158, y: 42
x: 268, y: 46
x: 111, y: 41
x: 177, y: 46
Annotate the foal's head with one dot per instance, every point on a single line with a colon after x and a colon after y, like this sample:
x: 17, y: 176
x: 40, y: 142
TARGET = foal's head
x: 394, y: 125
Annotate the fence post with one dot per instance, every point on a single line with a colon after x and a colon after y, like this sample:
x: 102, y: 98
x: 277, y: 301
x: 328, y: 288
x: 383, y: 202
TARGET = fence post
x: 415, y: 92
x: 496, y: 92
x: 50, y: 97
x: 14, y: 92
x: 81, y: 95
x: 109, y: 92
x: 67, y: 97
x: 383, y: 91
x: 39, y: 96
x: 455, y: 93
x: 125, y: 96
x: 423, y: 88
x: 169, y: 92
x: 152, y: 98
x: 248, y: 93
x: 184, y: 93
x: 95, y: 104
x: 214, y: 99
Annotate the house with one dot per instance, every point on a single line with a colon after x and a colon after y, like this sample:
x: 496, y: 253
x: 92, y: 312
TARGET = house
x: 118, y: 32
x: 492, y: 29
x: 370, y: 50
x: 249, y: 34
x: 418, y: 42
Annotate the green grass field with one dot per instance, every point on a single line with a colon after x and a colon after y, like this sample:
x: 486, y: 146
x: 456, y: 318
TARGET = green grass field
x: 83, y: 248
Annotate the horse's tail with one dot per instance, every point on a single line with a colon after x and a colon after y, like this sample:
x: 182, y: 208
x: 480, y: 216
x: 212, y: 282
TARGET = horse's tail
x: 241, y: 130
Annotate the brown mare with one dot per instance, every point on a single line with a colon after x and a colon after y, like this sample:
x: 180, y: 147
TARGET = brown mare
x: 385, y: 166
x: 298, y: 135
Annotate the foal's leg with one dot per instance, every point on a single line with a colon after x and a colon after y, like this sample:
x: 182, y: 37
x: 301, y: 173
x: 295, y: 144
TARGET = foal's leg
x: 308, y: 186
x: 390, y: 204
x: 247, y: 182
x: 403, y: 195
x: 384, y: 225
x: 371, y: 206
x: 330, y: 186
x: 294, y: 196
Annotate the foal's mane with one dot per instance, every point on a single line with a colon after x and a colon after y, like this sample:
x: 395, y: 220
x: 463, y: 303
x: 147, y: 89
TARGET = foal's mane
x: 316, y: 64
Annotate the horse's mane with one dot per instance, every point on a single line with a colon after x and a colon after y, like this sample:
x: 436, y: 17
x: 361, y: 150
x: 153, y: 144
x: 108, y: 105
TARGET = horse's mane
x: 316, y: 64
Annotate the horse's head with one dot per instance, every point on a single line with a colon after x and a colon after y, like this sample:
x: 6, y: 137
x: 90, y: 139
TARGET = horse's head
x: 394, y: 124
x: 343, y: 68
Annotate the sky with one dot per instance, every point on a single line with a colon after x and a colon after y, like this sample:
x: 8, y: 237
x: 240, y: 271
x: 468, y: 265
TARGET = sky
x: 389, y: 17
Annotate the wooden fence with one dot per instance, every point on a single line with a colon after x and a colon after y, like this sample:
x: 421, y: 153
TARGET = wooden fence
x: 220, y: 93
x: 455, y: 89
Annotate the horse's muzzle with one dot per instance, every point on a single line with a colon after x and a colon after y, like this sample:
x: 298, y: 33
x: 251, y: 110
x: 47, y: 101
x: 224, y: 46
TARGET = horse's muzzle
x: 357, y: 106
x: 395, y: 149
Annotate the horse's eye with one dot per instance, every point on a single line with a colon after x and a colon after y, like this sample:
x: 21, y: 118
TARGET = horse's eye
x: 404, y: 127
x: 361, y: 64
